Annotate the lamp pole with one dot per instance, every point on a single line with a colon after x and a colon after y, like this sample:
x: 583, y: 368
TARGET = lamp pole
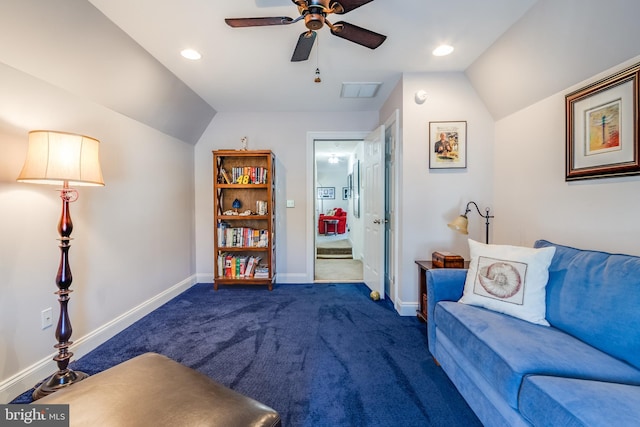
x: 64, y: 376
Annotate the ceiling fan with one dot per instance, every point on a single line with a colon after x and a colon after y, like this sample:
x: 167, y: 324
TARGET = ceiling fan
x: 314, y: 14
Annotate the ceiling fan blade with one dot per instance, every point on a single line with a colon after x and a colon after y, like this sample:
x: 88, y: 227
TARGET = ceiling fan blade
x: 349, y: 5
x: 357, y: 34
x: 304, y: 46
x: 257, y: 22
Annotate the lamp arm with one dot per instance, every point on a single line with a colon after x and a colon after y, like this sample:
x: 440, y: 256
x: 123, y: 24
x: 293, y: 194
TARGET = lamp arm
x: 468, y: 209
x: 486, y: 217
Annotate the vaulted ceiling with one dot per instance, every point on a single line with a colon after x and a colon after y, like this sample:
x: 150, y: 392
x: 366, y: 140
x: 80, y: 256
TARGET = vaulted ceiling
x: 249, y: 69
x: 125, y: 54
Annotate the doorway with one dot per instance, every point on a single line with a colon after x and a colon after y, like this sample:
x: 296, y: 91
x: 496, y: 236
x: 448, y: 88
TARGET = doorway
x: 391, y: 191
x: 337, y: 240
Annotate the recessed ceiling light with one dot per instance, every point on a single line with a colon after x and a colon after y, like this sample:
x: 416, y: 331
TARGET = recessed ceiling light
x: 194, y: 55
x: 442, y: 50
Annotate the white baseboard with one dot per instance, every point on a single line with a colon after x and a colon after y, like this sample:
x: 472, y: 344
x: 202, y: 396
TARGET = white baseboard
x: 406, y: 308
x: 292, y: 278
x: 204, y: 278
x: 27, y: 378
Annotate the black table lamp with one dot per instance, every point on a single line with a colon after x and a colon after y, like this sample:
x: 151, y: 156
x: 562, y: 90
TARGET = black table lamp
x: 461, y: 222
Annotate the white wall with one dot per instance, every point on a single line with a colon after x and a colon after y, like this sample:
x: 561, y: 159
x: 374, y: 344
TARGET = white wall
x: 556, y: 44
x: 133, y: 238
x: 534, y: 201
x: 72, y: 45
x: 433, y: 197
x: 286, y: 135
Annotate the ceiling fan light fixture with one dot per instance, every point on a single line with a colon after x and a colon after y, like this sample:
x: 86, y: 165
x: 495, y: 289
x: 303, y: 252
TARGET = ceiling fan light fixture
x: 314, y: 21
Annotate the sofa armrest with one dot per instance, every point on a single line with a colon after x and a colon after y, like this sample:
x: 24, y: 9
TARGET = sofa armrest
x: 443, y: 284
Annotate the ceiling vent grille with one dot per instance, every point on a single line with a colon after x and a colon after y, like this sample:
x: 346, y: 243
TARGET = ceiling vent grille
x: 359, y: 89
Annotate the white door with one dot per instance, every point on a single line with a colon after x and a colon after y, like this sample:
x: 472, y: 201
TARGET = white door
x: 373, y: 198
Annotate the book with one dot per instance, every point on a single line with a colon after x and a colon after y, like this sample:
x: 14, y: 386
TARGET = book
x: 225, y: 177
x: 227, y: 266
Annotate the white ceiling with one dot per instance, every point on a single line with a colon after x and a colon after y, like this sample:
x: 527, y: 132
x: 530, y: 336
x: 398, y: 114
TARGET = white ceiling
x: 249, y: 69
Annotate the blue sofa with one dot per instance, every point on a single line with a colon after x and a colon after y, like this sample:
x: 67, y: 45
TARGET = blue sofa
x: 583, y: 370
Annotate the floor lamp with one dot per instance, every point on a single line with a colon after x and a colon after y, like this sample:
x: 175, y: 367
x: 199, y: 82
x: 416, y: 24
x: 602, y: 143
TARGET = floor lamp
x: 61, y: 158
x: 461, y: 222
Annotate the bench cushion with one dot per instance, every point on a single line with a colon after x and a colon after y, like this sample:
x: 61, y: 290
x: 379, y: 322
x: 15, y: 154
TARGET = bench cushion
x: 153, y: 390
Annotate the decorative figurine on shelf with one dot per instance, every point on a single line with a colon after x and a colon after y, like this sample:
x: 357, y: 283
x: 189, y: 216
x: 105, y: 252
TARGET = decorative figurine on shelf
x: 236, y: 205
x: 244, y: 141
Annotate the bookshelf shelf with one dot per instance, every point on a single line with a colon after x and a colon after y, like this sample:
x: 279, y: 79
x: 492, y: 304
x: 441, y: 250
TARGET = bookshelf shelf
x: 244, y: 245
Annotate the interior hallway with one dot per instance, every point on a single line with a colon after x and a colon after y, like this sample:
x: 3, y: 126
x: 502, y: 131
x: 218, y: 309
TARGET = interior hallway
x: 339, y: 268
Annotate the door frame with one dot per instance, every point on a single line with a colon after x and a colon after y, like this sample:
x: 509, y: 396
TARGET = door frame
x: 393, y: 123
x: 310, y: 207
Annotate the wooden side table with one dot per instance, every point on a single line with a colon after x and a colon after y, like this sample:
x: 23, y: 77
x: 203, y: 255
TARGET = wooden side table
x: 333, y: 223
x: 423, y: 266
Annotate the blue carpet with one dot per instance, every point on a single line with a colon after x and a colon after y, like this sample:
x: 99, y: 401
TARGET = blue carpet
x: 321, y: 355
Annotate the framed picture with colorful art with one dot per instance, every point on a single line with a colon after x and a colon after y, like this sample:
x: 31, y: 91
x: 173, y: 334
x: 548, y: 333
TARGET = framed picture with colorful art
x: 447, y: 145
x: 602, y: 128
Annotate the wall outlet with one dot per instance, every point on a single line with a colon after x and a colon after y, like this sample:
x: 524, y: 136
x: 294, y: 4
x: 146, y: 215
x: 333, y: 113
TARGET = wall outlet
x: 46, y: 318
x: 291, y: 204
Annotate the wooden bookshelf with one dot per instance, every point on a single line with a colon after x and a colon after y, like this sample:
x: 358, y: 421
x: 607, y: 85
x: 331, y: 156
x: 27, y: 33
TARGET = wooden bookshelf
x: 244, y: 234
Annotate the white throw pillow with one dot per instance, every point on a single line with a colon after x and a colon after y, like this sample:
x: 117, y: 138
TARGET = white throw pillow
x: 509, y: 279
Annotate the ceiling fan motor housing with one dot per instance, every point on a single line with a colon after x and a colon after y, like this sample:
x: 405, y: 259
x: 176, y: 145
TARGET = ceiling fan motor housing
x: 314, y: 21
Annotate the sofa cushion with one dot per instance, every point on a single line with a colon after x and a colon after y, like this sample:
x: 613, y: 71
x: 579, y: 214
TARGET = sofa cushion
x: 595, y: 296
x: 505, y: 349
x: 553, y: 401
x: 508, y: 279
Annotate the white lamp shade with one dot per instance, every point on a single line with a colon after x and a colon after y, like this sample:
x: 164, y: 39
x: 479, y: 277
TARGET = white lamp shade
x: 460, y: 224
x: 55, y: 157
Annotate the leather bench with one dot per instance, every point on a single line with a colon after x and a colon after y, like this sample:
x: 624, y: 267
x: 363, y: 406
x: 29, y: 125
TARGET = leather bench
x: 153, y: 390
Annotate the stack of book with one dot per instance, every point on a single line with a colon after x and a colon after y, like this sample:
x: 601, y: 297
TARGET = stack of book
x: 238, y: 266
x: 244, y: 175
x: 262, y: 272
x: 241, y: 237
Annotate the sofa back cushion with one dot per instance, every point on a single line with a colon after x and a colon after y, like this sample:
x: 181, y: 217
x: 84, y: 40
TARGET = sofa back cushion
x: 595, y: 296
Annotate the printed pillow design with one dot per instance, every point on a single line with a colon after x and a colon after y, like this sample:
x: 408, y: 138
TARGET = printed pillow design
x: 500, y: 279
x: 509, y: 279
